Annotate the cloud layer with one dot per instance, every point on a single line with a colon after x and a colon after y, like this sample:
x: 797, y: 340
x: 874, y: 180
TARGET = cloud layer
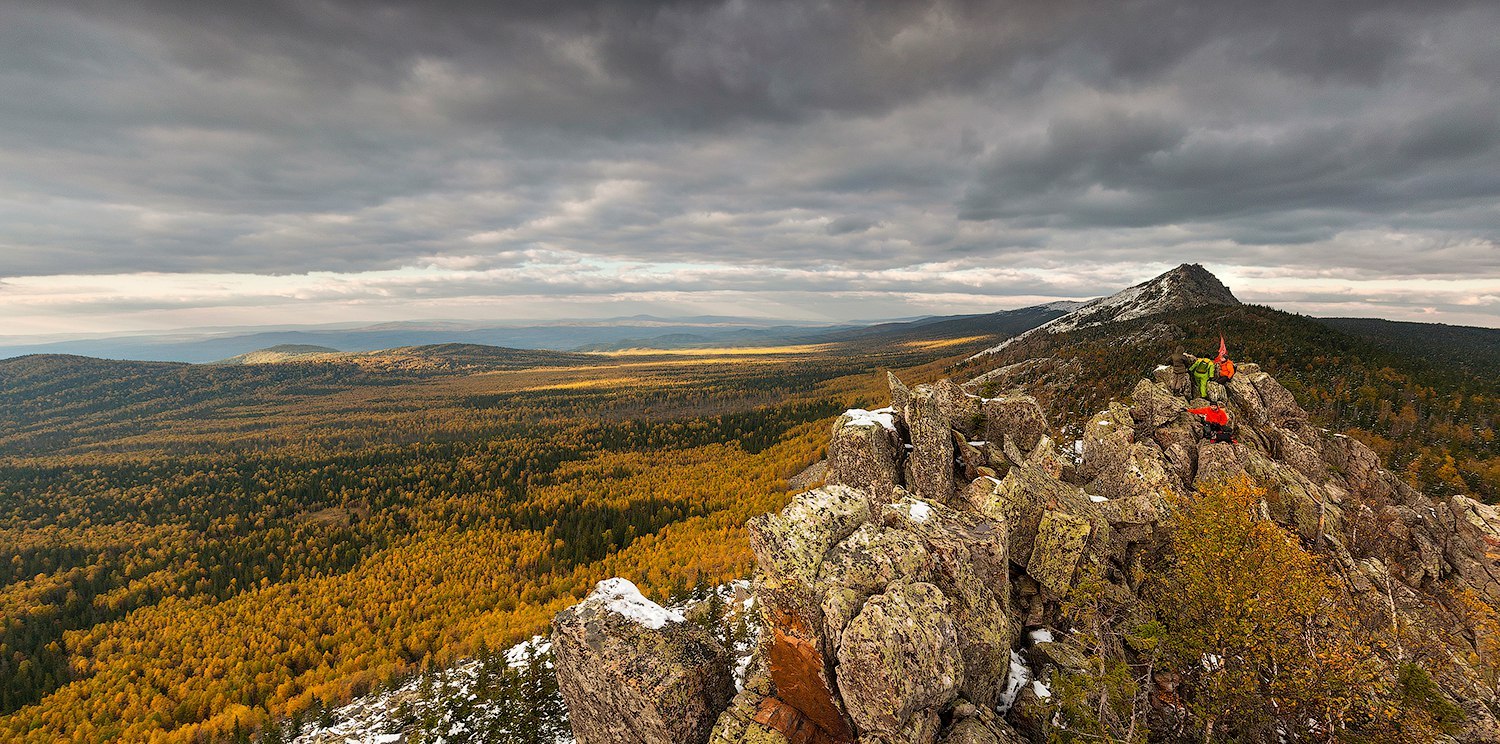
x: 167, y: 162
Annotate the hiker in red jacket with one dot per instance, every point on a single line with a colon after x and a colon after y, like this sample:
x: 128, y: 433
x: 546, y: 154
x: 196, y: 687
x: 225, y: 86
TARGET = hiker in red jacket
x: 1215, y: 421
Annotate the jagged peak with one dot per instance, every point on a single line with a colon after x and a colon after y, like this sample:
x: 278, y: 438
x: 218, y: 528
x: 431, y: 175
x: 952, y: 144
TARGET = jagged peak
x: 1187, y: 286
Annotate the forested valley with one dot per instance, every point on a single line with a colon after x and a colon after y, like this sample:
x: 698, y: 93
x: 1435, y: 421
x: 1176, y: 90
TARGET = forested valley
x: 192, y: 552
x: 195, y: 551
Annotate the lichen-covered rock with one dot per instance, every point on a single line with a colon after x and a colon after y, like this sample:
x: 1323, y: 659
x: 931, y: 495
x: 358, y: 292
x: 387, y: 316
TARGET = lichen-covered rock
x: 811, y: 476
x: 790, y: 545
x: 1219, y: 462
x: 1179, y: 441
x: 1294, y: 451
x: 960, y: 408
x: 634, y: 673
x: 1153, y: 405
x: 1140, y: 492
x: 1293, y: 498
x: 865, y: 452
x: 1019, y: 416
x: 1012, y: 451
x: 1019, y: 500
x: 753, y: 718
x: 1031, y: 711
x: 1106, y: 442
x: 1264, y: 400
x: 1064, y: 656
x: 899, y: 656
x: 900, y: 401
x: 1474, y: 551
x: 861, y: 566
x: 971, y: 568
x: 973, y: 730
x: 921, y: 728
x: 931, y: 461
x: 1060, y: 541
x: 971, y: 457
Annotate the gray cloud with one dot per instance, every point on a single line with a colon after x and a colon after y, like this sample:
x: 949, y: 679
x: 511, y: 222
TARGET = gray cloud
x: 840, y: 141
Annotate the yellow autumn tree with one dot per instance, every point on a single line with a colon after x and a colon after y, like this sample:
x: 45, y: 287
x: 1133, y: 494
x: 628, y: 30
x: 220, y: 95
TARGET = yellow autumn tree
x: 1266, y: 647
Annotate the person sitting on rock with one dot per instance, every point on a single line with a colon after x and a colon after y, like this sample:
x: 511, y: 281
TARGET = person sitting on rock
x: 1201, y: 369
x: 1226, y: 372
x: 1215, y: 422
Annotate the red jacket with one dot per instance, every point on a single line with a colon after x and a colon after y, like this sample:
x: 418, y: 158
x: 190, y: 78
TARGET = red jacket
x: 1211, y: 415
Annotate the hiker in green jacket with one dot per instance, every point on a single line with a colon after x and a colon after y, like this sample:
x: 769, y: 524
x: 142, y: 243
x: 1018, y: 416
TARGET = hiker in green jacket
x: 1201, y: 370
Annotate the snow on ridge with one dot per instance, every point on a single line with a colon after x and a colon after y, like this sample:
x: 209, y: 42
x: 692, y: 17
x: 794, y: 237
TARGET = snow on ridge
x: 1148, y: 297
x: 622, y: 597
x: 878, y: 417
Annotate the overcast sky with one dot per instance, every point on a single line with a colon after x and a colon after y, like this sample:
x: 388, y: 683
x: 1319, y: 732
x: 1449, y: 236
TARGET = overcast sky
x: 169, y: 164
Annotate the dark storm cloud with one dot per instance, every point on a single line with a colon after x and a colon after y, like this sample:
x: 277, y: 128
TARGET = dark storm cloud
x: 1350, y: 138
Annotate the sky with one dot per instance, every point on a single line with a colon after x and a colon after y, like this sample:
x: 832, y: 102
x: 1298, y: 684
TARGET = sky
x: 188, y: 164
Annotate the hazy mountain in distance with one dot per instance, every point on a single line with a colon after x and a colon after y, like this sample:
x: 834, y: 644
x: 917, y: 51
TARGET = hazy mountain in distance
x: 281, y: 353
x: 213, y: 345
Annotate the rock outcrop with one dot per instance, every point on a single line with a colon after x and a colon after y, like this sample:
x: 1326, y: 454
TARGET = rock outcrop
x: 897, y: 599
x: 632, y: 672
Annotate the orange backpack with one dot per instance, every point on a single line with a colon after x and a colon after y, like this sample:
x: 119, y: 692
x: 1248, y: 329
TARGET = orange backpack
x: 1226, y: 369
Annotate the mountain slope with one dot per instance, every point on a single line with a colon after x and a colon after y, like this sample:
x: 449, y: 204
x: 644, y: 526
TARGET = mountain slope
x: 1465, y: 346
x: 1185, y: 287
x: 1430, y: 419
x: 1004, y: 323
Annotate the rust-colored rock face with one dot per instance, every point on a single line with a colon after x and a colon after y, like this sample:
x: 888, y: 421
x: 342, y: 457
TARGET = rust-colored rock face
x: 798, y: 671
x: 791, y: 723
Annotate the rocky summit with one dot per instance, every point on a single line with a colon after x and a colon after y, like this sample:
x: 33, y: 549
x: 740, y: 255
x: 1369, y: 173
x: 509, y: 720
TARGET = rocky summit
x: 929, y: 589
x: 1185, y: 287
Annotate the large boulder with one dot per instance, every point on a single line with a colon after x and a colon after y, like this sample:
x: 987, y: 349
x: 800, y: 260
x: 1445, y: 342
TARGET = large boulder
x: 970, y: 567
x: 899, y: 657
x: 632, y: 672
x: 1018, y: 416
x: 1021, y: 498
x: 865, y: 452
x: 1153, y: 405
x: 1106, y: 441
x: 900, y: 400
x: 1060, y: 541
x: 1474, y: 548
x: 861, y: 566
x: 976, y: 730
x: 1264, y: 400
x: 790, y: 545
x: 960, y: 408
x: 931, y: 463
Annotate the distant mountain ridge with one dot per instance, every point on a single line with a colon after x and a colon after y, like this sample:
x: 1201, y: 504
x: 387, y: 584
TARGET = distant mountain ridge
x: 1187, y: 286
x: 214, y: 345
x: 279, y: 353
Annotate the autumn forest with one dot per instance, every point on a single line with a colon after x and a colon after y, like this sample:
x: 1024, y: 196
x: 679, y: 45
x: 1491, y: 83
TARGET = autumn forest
x: 189, y: 551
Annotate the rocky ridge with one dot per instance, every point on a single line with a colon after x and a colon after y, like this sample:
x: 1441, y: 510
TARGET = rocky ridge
x: 916, y: 595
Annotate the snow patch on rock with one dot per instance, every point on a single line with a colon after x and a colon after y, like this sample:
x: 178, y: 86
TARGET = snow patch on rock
x: 879, y: 417
x: 623, y: 598
x: 1015, y: 680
